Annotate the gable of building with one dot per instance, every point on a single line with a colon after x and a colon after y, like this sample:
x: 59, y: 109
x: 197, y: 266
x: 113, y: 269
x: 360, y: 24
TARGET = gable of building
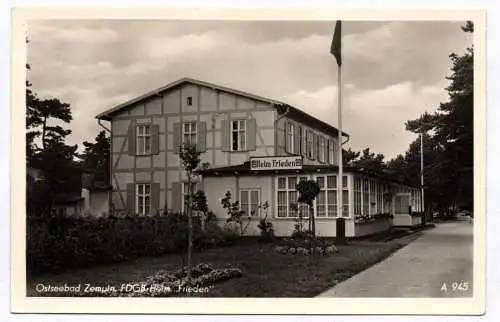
x: 149, y: 103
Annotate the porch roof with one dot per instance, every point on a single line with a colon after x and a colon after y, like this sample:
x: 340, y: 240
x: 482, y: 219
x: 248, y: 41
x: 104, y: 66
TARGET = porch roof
x: 244, y: 169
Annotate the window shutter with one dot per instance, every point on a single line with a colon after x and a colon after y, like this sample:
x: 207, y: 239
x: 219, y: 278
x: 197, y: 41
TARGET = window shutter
x: 176, y: 196
x: 287, y: 133
x: 335, y: 151
x: 131, y: 198
x: 177, y: 137
x: 251, y: 134
x: 327, y: 155
x: 296, y: 140
x: 306, y: 142
x: 303, y: 143
x: 325, y: 149
x: 155, y: 197
x: 225, y: 135
x: 317, y: 148
x: 132, y: 140
x: 202, y: 137
x: 155, y: 132
x: 314, y: 146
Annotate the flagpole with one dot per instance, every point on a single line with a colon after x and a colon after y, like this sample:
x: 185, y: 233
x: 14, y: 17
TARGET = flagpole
x: 336, y: 51
x: 340, y: 187
x: 422, y: 168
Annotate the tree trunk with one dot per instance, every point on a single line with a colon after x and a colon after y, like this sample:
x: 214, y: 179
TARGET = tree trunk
x: 313, y: 222
x: 312, y: 230
x: 44, y: 125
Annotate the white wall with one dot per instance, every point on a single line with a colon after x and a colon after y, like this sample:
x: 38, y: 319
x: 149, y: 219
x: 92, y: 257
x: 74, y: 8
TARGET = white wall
x: 215, y: 188
x: 96, y: 203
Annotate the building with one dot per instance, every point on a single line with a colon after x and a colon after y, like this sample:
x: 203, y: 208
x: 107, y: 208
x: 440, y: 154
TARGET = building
x: 87, y: 196
x: 229, y: 127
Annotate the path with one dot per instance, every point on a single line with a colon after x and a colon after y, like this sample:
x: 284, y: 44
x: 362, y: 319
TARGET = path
x: 441, y: 255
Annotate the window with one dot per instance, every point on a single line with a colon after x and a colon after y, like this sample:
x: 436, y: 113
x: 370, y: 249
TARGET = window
x: 290, y: 139
x: 189, y: 131
x: 380, y: 197
x: 416, y: 200
x: 366, y: 197
x: 189, y: 100
x: 357, y: 195
x: 373, y: 197
x: 300, y: 138
x: 325, y: 204
x: 331, y: 151
x: 387, y: 199
x: 144, y: 139
x: 321, y: 198
x: 185, y: 193
x: 321, y: 153
x: 250, y: 201
x: 309, y: 144
x: 143, y: 198
x: 239, y: 137
x: 288, y: 205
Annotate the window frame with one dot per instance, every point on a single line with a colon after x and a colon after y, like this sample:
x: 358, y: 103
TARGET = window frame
x: 300, y: 138
x: 331, y: 150
x: 193, y: 132
x: 249, y: 204
x: 310, y: 145
x: 290, y: 139
x: 321, y: 152
x: 147, y: 136
x: 286, y: 189
x: 239, y: 132
x: 144, y: 195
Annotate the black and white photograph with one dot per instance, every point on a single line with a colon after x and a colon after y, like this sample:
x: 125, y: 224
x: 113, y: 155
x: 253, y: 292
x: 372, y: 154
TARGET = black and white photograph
x: 201, y: 159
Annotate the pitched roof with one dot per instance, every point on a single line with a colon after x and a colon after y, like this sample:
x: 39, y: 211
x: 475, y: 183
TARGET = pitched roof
x: 108, y: 114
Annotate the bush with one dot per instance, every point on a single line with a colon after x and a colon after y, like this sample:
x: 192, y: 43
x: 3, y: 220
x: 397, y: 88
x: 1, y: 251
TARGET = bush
x: 266, y: 230
x: 58, y: 243
x: 213, y: 236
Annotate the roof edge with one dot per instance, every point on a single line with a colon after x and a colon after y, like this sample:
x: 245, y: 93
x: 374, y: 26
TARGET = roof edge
x: 106, y: 115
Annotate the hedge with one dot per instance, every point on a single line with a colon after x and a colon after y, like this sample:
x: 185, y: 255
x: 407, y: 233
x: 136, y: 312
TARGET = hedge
x: 59, y: 243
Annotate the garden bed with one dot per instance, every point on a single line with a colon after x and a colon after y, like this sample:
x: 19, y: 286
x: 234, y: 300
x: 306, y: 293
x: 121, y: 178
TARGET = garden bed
x: 265, y: 273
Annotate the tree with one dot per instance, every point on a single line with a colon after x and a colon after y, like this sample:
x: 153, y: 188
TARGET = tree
x: 190, y: 159
x: 96, y: 157
x: 365, y: 160
x: 53, y: 157
x: 370, y: 161
x: 308, y: 191
x: 452, y: 133
x: 349, y: 157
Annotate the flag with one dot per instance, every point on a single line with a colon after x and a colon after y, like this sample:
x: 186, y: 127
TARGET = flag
x: 335, y: 50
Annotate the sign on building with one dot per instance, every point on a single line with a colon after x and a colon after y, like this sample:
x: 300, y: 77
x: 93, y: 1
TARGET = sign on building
x: 276, y: 163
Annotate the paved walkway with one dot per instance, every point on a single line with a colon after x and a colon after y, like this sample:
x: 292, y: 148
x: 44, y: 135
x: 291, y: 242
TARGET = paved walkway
x: 441, y: 255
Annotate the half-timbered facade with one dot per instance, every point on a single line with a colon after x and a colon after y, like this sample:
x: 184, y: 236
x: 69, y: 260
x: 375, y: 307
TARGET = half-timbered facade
x: 228, y: 127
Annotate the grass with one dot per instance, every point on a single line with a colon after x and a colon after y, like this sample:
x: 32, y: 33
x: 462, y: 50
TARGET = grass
x: 266, y: 273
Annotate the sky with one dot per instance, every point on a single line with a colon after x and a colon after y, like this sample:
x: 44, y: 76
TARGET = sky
x: 392, y: 71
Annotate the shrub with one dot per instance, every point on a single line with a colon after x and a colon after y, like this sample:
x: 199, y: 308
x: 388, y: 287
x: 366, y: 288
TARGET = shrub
x: 235, y: 214
x: 58, y: 243
x: 174, y: 282
x: 266, y: 227
x: 212, y: 236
